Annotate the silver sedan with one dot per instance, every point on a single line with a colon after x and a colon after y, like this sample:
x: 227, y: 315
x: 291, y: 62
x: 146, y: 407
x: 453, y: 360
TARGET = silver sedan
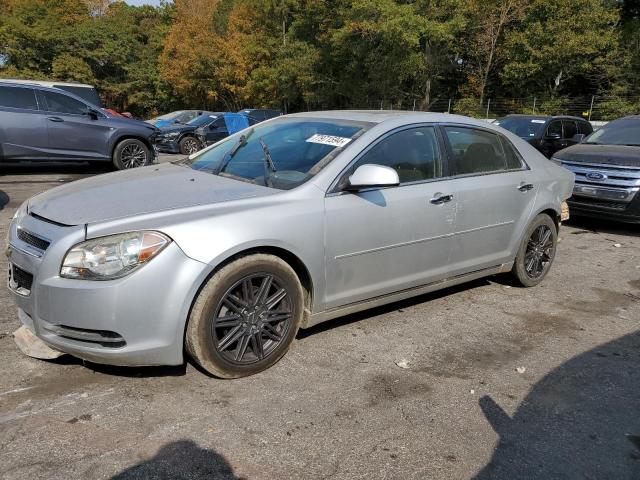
x: 296, y: 221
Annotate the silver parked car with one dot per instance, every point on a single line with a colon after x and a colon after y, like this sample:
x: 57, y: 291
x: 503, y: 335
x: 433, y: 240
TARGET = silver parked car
x: 292, y: 222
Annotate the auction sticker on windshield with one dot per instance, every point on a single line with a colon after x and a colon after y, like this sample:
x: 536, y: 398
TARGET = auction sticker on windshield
x: 329, y: 140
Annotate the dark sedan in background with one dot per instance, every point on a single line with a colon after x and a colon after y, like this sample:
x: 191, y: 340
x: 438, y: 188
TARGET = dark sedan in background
x: 181, y: 137
x: 546, y: 133
x: 607, y: 169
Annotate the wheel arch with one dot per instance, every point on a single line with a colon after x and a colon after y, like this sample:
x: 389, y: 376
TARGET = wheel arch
x: 287, y: 256
x: 124, y: 137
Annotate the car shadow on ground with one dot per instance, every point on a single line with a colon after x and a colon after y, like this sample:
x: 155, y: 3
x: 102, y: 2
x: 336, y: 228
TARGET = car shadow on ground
x: 582, y: 420
x: 117, y: 371
x: 183, y: 459
x: 598, y: 226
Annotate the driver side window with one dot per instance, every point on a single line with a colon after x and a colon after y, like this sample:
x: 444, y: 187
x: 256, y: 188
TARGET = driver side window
x: 413, y: 153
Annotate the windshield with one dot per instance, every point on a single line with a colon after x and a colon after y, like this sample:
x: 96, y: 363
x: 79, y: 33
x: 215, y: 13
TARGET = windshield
x: 201, y: 120
x: 298, y: 149
x: 625, y: 131
x: 523, y: 127
x: 169, y: 116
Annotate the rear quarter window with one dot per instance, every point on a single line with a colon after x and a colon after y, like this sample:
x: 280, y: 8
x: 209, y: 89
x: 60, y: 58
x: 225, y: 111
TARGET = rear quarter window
x: 18, y: 97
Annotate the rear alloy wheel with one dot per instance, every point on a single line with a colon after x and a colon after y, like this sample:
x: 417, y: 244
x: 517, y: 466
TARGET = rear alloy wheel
x: 245, y: 317
x: 189, y: 145
x: 537, y: 251
x: 131, y: 153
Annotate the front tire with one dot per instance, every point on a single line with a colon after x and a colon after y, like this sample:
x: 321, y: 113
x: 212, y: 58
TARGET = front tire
x: 537, y: 251
x: 131, y: 153
x: 245, y: 317
x: 189, y: 145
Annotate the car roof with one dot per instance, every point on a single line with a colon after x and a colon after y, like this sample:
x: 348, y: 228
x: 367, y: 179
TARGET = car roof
x: 544, y: 117
x: 44, y: 83
x: 379, y: 116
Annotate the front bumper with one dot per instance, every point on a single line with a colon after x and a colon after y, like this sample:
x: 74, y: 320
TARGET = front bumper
x: 601, y: 205
x: 167, y: 146
x: 135, y: 320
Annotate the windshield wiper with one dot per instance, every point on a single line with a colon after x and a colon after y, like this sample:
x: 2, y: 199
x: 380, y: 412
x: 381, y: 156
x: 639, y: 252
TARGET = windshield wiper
x: 269, y: 166
x: 242, y: 141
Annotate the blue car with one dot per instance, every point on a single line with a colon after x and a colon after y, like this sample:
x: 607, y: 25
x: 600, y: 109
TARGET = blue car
x: 177, y: 117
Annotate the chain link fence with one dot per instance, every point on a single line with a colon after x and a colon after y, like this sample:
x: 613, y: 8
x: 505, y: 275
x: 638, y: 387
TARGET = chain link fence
x: 592, y: 108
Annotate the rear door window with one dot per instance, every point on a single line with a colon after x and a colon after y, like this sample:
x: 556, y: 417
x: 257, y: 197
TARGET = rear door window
x: 18, y: 97
x: 61, y: 103
x: 475, y: 151
x: 570, y: 128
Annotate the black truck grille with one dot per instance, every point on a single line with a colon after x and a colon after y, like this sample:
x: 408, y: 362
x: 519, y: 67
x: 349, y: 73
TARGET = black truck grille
x: 34, y: 241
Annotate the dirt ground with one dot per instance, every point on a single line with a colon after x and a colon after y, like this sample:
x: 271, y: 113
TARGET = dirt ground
x: 500, y: 383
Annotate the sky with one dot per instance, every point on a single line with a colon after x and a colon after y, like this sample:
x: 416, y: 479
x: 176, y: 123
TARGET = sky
x: 143, y: 2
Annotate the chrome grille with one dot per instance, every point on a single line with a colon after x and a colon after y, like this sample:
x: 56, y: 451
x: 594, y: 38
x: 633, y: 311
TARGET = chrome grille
x: 607, y: 182
x: 33, y: 240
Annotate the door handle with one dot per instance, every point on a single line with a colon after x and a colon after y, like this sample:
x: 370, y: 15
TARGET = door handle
x: 525, y: 187
x: 439, y: 199
x: 55, y: 119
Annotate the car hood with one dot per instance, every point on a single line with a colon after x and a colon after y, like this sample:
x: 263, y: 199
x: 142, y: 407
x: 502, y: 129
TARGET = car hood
x: 619, y: 155
x: 138, y: 191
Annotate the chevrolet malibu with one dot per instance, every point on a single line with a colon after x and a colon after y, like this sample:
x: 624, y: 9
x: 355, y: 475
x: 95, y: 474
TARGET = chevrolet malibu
x: 293, y: 222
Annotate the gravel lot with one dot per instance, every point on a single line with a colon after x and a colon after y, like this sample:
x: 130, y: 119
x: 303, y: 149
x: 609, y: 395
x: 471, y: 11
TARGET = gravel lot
x: 500, y: 382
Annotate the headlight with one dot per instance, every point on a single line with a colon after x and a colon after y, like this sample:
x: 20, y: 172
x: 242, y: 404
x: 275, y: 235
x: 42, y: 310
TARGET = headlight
x: 115, y: 256
x: 169, y: 136
x: 557, y: 161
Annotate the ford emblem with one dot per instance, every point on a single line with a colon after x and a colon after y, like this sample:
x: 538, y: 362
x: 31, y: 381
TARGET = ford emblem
x: 596, y: 176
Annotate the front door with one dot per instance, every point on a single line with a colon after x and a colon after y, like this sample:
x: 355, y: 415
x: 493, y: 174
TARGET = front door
x: 385, y: 240
x: 72, y: 133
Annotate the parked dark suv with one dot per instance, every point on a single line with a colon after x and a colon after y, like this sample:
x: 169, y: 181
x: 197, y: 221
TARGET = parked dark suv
x: 38, y: 123
x: 548, y: 134
x: 607, y: 169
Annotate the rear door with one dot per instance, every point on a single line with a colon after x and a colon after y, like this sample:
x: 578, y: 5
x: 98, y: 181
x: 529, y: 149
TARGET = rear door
x: 553, y: 139
x: 495, y: 193
x: 72, y: 133
x: 381, y: 241
x: 569, y: 131
x: 23, y: 135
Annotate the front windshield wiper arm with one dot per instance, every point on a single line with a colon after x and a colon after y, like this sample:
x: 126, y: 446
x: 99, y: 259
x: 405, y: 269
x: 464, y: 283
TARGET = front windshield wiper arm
x: 242, y: 141
x: 269, y: 166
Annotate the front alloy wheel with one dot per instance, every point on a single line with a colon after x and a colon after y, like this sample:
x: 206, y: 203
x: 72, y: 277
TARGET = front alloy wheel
x: 252, y: 319
x: 245, y: 317
x: 189, y: 145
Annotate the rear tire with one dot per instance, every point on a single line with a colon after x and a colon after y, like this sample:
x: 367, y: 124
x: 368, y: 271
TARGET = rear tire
x: 189, y: 145
x: 245, y: 317
x: 537, y: 251
x: 131, y: 153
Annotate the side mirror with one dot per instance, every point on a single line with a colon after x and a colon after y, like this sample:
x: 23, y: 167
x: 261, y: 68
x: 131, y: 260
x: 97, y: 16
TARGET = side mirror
x: 553, y: 136
x: 372, y: 176
x: 93, y: 114
x: 578, y: 137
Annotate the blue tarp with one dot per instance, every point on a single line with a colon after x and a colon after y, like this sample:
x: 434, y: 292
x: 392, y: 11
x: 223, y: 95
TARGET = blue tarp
x: 235, y: 122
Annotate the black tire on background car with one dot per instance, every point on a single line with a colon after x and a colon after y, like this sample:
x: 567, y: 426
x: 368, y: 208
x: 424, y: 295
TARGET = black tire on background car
x: 537, y: 251
x: 245, y: 317
x: 131, y: 153
x: 189, y: 145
